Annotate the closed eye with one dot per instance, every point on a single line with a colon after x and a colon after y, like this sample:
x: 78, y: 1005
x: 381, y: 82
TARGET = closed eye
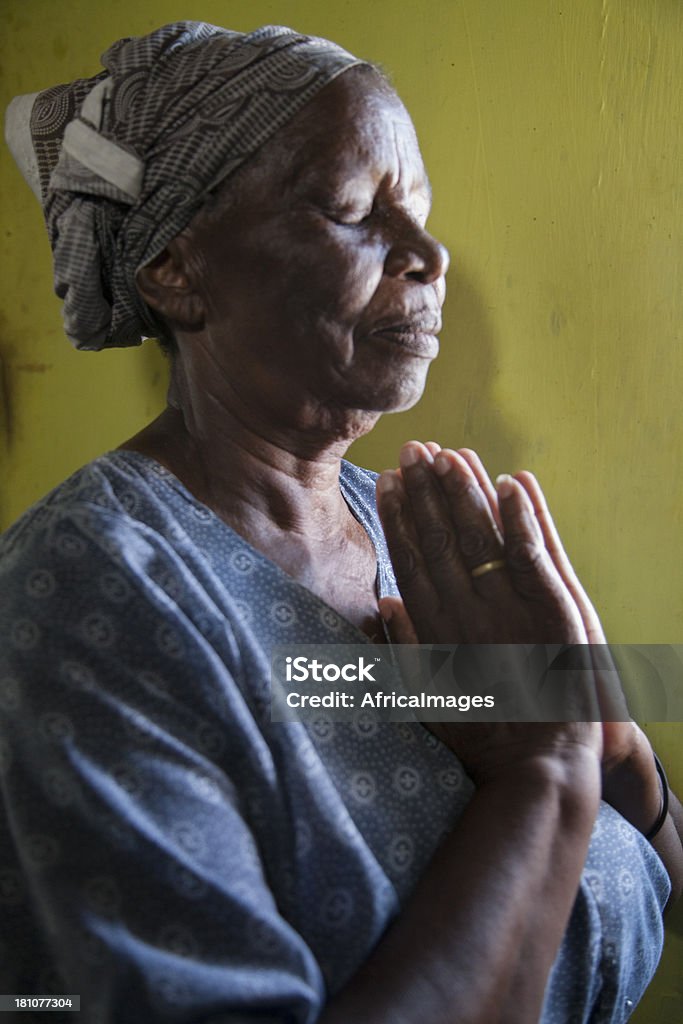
x: 349, y: 218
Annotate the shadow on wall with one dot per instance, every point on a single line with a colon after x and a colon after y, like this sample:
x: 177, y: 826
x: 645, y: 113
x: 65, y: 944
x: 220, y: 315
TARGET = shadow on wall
x: 153, y: 366
x: 6, y: 353
x: 44, y: 405
x: 5, y: 422
x: 459, y: 408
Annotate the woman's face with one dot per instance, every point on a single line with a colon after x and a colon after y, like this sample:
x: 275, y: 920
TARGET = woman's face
x: 320, y: 285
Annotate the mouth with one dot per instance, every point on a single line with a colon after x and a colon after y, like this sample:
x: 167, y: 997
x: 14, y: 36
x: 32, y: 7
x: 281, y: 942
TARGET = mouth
x: 414, y: 335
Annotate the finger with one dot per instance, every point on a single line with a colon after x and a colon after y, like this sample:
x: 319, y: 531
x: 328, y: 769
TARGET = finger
x: 397, y: 522
x: 397, y: 621
x: 477, y: 467
x: 434, y: 528
x: 613, y: 707
x: 432, y: 447
x: 527, y: 558
x: 530, y: 567
x: 576, y: 696
x: 478, y: 538
x: 553, y: 543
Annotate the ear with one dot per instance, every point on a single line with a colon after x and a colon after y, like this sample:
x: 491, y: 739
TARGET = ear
x: 167, y: 286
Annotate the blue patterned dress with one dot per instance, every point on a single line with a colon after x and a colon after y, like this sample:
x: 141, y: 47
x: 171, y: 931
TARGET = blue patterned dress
x: 169, y: 853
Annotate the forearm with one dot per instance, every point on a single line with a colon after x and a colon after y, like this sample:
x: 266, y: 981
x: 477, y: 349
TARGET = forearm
x: 669, y: 846
x: 633, y: 788
x: 515, y: 856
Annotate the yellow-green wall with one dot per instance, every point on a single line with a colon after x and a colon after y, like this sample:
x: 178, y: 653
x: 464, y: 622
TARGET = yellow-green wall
x: 552, y: 132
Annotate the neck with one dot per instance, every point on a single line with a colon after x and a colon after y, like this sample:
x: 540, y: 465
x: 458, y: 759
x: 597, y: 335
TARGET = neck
x: 275, y: 481
x: 252, y: 464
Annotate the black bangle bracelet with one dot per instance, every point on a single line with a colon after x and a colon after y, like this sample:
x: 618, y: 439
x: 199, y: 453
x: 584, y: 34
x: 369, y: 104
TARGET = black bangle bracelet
x: 665, y: 800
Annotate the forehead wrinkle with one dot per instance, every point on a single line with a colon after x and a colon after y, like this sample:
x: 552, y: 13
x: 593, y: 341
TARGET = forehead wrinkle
x: 325, y: 156
x: 339, y: 166
x: 407, y: 148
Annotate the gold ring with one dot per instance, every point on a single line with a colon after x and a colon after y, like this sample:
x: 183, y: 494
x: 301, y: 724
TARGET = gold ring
x: 485, y: 567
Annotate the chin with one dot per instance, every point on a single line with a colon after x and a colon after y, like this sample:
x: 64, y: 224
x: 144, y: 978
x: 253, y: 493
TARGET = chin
x: 399, y: 394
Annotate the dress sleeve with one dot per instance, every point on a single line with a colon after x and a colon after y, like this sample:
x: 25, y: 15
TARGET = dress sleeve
x: 129, y: 871
x: 614, y: 937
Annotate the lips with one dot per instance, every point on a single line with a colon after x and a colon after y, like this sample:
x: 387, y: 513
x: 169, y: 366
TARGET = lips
x: 415, y: 333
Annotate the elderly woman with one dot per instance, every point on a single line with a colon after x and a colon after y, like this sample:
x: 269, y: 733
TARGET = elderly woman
x: 171, y: 854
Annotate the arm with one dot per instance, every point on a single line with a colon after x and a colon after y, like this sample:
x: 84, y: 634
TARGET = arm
x: 633, y: 787
x: 440, y: 530
x: 517, y: 851
x: 630, y: 782
x: 133, y: 869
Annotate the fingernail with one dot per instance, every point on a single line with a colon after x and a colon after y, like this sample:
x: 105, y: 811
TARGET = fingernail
x: 504, y: 485
x: 387, y: 482
x: 441, y: 464
x: 410, y: 456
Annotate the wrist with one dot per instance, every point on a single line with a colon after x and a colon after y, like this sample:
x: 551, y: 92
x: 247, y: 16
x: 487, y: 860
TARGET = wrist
x: 632, y: 785
x: 664, y: 812
x: 553, y: 752
x: 571, y: 774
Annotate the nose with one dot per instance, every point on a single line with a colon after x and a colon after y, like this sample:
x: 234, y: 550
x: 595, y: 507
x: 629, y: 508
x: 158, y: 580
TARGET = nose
x: 416, y: 255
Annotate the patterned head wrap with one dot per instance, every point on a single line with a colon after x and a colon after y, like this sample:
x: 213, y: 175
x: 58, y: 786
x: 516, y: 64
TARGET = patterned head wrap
x: 122, y: 162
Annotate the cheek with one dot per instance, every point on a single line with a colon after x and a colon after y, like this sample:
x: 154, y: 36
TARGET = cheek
x: 334, y: 284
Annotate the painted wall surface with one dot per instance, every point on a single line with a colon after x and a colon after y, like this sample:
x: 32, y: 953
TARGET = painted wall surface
x: 553, y: 135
